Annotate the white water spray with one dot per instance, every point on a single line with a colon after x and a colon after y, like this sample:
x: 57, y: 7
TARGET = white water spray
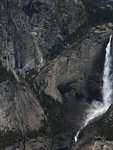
x: 107, y: 81
x: 99, y: 108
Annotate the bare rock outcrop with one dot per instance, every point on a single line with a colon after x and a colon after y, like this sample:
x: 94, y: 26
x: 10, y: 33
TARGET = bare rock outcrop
x: 19, y: 108
x: 30, y: 29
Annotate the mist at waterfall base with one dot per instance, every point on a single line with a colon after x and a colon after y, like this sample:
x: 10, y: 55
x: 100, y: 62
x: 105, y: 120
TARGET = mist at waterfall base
x: 99, y: 108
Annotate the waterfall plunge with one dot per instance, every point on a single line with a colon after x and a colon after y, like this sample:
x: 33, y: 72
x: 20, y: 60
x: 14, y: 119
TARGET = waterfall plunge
x: 99, y: 108
x: 107, y: 81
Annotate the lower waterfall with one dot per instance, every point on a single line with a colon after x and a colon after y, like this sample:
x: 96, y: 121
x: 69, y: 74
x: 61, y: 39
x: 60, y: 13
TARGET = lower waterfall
x: 99, y: 108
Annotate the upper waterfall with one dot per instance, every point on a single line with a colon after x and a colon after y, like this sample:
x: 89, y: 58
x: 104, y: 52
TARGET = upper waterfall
x: 107, y: 81
x: 99, y: 108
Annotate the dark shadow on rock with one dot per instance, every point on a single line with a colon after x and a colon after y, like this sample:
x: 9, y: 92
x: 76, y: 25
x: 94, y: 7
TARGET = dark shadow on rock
x: 94, y: 80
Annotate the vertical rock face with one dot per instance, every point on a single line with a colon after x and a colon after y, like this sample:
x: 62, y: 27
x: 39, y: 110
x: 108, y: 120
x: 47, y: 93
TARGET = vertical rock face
x: 19, y: 108
x: 30, y: 28
x: 78, y: 68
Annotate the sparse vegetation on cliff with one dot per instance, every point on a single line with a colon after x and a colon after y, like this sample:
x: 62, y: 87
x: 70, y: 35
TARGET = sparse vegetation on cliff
x: 69, y: 39
x: 95, y: 16
x: 105, y: 125
x: 4, y: 74
x: 52, y: 109
x: 10, y: 137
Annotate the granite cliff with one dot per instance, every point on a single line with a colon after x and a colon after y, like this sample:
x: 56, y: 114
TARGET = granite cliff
x: 30, y: 29
x: 51, y: 63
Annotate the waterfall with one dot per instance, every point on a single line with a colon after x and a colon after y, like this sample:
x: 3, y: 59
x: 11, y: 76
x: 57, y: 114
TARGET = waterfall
x: 99, y: 108
x: 107, y: 81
